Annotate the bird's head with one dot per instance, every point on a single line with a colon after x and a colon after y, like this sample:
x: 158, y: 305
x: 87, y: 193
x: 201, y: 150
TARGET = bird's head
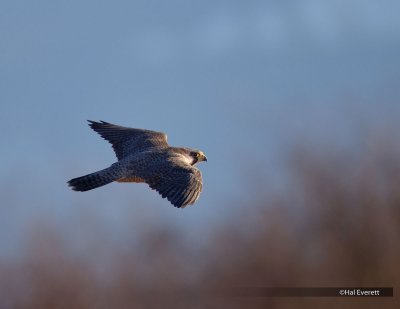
x: 198, y: 156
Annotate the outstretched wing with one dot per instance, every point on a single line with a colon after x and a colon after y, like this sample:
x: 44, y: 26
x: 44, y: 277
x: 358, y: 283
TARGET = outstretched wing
x: 180, y: 184
x: 126, y: 140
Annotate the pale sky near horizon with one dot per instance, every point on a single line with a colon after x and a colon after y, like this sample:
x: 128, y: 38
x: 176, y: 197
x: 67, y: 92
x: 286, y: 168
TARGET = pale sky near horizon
x: 242, y: 81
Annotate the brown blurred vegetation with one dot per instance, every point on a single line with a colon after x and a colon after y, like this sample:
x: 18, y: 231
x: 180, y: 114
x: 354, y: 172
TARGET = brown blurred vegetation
x: 337, y: 223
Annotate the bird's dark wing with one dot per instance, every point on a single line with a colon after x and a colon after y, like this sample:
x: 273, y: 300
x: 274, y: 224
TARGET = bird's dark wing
x: 180, y: 184
x: 126, y: 140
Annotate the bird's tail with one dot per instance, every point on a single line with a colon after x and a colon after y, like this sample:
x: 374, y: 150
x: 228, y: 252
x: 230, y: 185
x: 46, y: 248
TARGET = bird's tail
x: 93, y: 180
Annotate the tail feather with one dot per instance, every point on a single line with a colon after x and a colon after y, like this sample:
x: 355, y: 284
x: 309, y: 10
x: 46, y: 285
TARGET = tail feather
x: 92, y: 181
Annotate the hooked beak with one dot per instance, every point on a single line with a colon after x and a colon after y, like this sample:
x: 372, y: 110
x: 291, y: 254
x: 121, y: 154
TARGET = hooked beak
x: 204, y: 158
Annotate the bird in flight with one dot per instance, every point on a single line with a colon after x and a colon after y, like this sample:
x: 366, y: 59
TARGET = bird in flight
x: 144, y: 156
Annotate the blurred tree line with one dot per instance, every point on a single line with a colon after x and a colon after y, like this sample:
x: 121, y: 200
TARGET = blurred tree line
x: 337, y: 223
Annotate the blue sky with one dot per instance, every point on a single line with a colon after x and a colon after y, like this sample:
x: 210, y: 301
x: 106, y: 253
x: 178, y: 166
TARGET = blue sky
x: 243, y: 81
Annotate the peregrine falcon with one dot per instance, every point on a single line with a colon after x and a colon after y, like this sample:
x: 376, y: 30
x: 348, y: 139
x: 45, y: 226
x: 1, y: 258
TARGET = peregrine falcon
x: 145, y: 156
